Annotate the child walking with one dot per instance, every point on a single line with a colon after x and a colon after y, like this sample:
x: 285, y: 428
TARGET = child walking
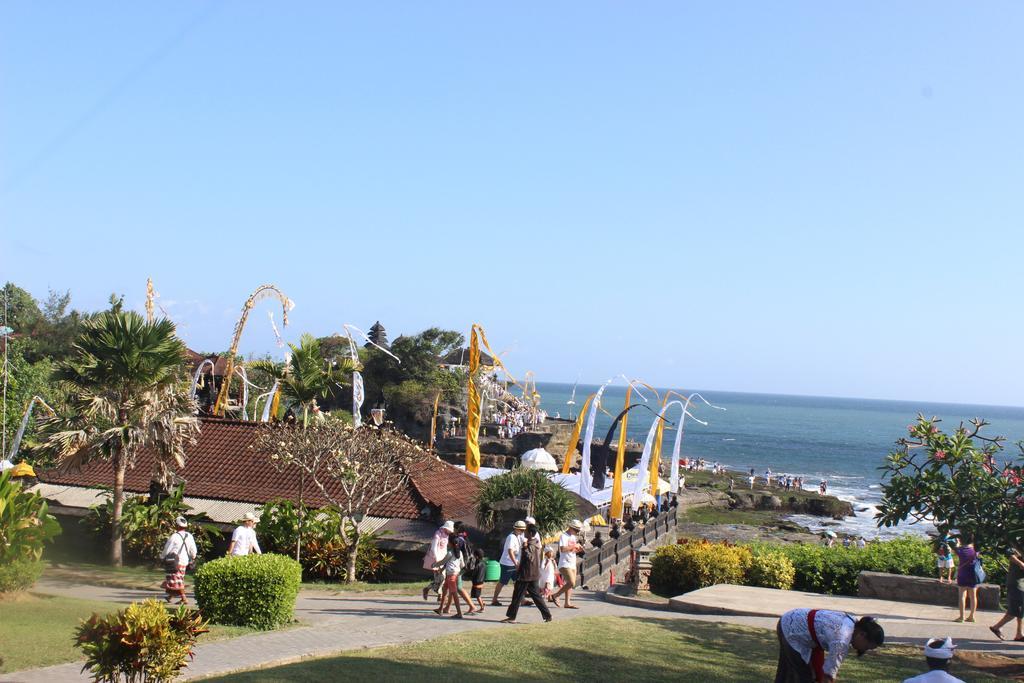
x: 548, y: 570
x: 478, y: 578
x: 452, y: 563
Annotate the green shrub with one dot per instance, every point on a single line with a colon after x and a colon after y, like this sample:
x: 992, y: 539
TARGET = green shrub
x: 143, y: 642
x: 250, y: 590
x: 553, y: 506
x: 834, y: 570
x: 690, y: 565
x: 770, y: 569
x: 146, y: 526
x: 324, y: 552
x: 25, y: 526
x: 19, y: 574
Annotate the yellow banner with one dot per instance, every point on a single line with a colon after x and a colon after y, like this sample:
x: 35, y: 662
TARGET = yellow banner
x: 656, y: 451
x: 620, y: 458
x: 570, y: 453
x: 473, y: 407
x: 433, y: 422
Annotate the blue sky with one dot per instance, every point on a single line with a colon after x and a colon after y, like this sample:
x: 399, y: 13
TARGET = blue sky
x: 806, y: 198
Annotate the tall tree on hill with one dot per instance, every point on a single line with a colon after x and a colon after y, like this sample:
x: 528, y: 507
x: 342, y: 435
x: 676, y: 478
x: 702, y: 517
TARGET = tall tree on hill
x: 127, y: 391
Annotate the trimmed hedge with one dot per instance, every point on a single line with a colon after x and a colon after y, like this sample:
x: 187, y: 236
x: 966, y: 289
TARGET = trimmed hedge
x: 250, y: 590
x: 19, y: 574
x: 770, y: 569
x: 689, y: 565
x: 834, y: 570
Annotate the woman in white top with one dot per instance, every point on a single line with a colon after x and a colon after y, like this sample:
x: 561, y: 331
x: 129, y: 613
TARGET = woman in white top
x: 179, y: 552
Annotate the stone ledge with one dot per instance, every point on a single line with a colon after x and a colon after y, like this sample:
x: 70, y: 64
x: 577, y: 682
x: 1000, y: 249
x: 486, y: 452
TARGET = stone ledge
x: 919, y: 589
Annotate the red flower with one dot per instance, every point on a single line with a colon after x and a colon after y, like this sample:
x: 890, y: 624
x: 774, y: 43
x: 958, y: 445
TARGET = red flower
x: 1020, y: 501
x: 934, y: 430
x: 940, y: 455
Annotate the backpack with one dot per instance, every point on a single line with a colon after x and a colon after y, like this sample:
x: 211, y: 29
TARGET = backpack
x: 469, y: 558
x: 171, y: 559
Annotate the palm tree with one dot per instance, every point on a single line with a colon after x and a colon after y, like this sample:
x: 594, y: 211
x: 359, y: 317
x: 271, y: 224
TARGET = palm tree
x: 127, y: 391
x: 306, y: 376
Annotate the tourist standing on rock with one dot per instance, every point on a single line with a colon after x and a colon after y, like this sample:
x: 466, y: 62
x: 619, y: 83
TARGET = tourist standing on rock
x: 437, y: 550
x: 938, y: 653
x: 527, y: 575
x: 568, y: 546
x: 179, y: 552
x: 967, y: 577
x: 509, y: 559
x: 1014, y: 593
x: 243, y: 540
x: 805, y: 636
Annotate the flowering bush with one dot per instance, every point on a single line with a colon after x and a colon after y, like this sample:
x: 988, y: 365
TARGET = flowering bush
x: 770, y: 569
x: 955, y: 481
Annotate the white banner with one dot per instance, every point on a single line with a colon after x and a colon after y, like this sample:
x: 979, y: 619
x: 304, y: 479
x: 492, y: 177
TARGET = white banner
x: 586, y: 484
x: 357, y: 399
x: 674, y: 482
x: 645, y: 457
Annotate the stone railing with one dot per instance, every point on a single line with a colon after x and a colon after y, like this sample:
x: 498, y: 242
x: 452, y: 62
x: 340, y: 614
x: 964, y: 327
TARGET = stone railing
x: 618, y: 554
x: 920, y: 589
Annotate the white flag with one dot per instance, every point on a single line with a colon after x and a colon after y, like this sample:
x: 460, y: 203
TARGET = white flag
x: 586, y: 487
x: 357, y: 398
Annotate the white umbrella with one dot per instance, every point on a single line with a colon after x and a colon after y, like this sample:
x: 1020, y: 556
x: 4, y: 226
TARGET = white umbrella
x: 539, y: 459
x: 647, y: 498
x: 830, y: 534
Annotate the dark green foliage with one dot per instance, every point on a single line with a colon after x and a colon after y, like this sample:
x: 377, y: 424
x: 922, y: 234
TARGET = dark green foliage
x: 17, y: 575
x: 834, y: 570
x: 145, y: 527
x: 324, y: 552
x: 143, y: 642
x: 250, y: 590
x: 553, y: 506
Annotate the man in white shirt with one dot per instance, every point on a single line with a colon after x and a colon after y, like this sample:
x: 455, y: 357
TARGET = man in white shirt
x: 179, y: 552
x: 938, y: 652
x: 568, y: 546
x: 509, y: 559
x: 243, y: 540
x: 806, y: 635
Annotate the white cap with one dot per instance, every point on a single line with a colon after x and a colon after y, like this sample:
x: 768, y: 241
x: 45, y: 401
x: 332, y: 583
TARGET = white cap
x: 531, y: 520
x: 937, y: 648
x: 181, y: 522
x: 575, y: 524
x: 449, y: 526
x: 249, y: 517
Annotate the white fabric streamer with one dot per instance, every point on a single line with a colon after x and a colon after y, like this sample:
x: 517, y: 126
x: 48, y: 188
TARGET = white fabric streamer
x: 586, y: 484
x: 349, y: 328
x: 277, y: 333
x: 357, y: 399
x: 674, y: 481
x: 24, y: 423
x: 267, y: 406
x: 197, y: 375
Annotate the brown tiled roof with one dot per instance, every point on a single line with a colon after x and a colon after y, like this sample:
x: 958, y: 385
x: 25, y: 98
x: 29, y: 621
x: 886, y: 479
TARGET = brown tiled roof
x: 220, y: 363
x: 222, y: 466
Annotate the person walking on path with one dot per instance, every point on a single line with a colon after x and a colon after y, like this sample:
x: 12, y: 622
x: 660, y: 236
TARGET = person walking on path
x: 1014, y: 594
x: 967, y: 577
x: 567, y: 549
x: 478, y: 578
x: 452, y: 564
x: 529, y: 571
x: 243, y: 540
x: 806, y: 635
x: 437, y: 550
x: 179, y: 552
x: 938, y: 653
x: 509, y: 559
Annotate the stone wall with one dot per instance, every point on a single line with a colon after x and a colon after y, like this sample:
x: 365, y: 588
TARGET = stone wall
x: 919, y: 589
x: 614, y: 556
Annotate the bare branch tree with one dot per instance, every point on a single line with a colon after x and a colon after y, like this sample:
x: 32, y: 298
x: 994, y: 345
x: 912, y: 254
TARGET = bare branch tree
x: 353, y: 469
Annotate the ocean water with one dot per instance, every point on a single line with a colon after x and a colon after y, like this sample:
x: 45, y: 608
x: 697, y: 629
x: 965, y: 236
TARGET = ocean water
x: 842, y: 440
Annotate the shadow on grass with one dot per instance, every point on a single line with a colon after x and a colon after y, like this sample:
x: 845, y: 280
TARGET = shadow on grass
x: 590, y: 648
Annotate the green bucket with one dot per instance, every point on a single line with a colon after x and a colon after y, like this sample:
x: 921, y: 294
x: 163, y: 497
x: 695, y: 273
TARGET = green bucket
x: 493, y: 570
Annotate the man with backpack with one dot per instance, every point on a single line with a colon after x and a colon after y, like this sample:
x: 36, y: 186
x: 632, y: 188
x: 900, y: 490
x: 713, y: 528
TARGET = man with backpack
x: 179, y: 552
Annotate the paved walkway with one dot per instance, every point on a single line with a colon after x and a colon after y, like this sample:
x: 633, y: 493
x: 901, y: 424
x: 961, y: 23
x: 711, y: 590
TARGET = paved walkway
x: 337, y: 622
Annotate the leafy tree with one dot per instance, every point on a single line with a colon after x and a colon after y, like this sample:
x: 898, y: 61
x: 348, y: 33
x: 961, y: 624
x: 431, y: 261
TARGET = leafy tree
x: 953, y: 480
x: 23, y: 313
x: 127, y: 390
x: 553, y: 507
x: 353, y: 469
x: 307, y: 376
x: 25, y: 381
x: 25, y: 525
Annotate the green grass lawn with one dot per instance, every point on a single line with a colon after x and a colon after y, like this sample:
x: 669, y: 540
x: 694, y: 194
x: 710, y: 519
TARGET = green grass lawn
x: 594, y: 649
x: 37, y: 630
